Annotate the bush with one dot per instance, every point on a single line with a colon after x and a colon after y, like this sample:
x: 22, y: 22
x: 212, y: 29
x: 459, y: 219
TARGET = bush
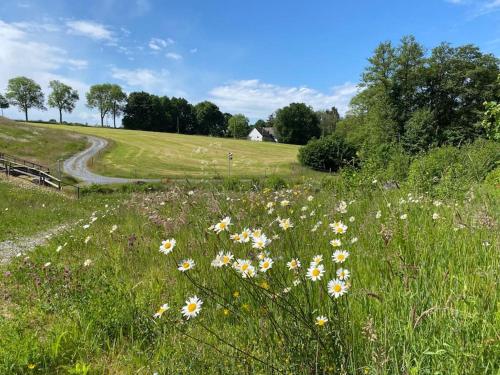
x: 275, y: 183
x: 450, y: 171
x: 328, y: 154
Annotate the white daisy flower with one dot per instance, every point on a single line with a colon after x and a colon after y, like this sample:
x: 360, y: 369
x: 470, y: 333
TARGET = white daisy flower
x: 338, y: 227
x: 336, y: 243
x: 87, y: 263
x: 315, y: 272
x: 317, y: 259
x: 435, y: 216
x: 266, y: 264
x: 161, y: 310
x: 404, y: 217
x: 293, y: 264
x: 260, y: 242
x: 285, y: 224
x: 186, y: 265
x: 378, y: 215
x: 336, y: 288
x: 167, y: 246
x: 343, y: 274
x: 245, y: 235
x: 321, y: 321
x: 192, y: 307
x: 340, y: 256
x: 223, y: 225
x: 310, y: 198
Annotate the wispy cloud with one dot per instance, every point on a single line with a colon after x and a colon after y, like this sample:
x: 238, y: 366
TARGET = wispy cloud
x: 158, y: 44
x: 90, y: 29
x: 257, y: 99
x: 173, y: 56
x: 478, y: 8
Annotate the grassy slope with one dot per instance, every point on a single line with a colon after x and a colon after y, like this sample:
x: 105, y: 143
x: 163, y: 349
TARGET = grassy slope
x: 150, y: 154
x: 43, y: 146
x: 430, y: 291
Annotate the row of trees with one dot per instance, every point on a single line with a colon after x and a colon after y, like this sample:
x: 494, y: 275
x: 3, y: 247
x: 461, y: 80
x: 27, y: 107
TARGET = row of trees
x: 25, y: 94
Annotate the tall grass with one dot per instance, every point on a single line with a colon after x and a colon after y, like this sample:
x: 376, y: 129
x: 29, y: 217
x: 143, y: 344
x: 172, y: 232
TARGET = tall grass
x: 422, y: 297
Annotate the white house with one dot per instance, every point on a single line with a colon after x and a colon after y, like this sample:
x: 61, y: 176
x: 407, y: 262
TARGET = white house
x: 262, y: 135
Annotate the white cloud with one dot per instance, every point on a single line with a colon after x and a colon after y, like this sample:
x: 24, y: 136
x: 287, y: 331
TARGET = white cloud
x: 257, y: 99
x: 90, y: 29
x: 22, y: 55
x: 193, y: 50
x: 157, y: 44
x: 173, y: 56
x: 78, y: 64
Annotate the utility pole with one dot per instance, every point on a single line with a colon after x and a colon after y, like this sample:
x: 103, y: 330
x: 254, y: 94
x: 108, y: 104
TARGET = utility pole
x: 229, y: 158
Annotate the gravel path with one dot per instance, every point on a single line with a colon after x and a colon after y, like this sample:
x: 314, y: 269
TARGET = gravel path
x: 9, y: 249
x: 76, y: 166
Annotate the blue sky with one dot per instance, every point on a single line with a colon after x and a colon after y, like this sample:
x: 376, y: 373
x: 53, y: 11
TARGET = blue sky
x: 246, y: 56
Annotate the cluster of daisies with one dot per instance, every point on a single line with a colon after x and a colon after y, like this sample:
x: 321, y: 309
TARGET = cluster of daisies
x: 247, y: 268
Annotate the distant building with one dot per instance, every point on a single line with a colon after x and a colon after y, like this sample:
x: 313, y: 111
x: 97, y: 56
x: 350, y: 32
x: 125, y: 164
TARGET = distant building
x: 263, y: 135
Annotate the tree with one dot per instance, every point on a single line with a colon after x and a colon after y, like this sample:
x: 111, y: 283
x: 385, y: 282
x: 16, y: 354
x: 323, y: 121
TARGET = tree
x: 491, y: 120
x: 100, y: 97
x: 328, y: 153
x: 62, y: 97
x: 297, y: 124
x: 238, y: 126
x: 328, y: 120
x: 138, y: 112
x: 4, y: 103
x: 210, y: 119
x: 260, y: 124
x: 25, y: 94
x: 184, y: 116
x: 118, y: 101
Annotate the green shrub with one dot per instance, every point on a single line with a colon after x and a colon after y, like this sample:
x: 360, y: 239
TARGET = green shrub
x: 328, y: 154
x: 275, y: 183
x: 450, y: 171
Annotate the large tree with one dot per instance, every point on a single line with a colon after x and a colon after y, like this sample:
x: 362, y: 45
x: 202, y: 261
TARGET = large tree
x: 238, y: 126
x: 118, y: 101
x: 297, y: 124
x: 62, y: 97
x: 328, y: 120
x: 25, y: 94
x: 138, y: 112
x: 100, y: 97
x: 183, y: 115
x: 4, y: 103
x: 210, y: 119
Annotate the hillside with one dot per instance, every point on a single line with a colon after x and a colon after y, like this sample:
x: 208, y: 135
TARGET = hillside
x: 139, y: 154
x: 40, y: 145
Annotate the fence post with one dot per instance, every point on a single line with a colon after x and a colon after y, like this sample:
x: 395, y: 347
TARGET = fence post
x: 78, y: 192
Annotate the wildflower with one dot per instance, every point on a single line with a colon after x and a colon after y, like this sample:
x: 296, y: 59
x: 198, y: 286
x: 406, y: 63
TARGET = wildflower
x: 321, y: 321
x: 113, y: 228
x: 264, y: 285
x: 336, y: 288
x: 340, y: 256
x: 354, y: 239
x: 256, y: 233
x: 338, y: 227
x: 287, y: 290
x: 262, y: 255
x: 87, y: 240
x: 276, y: 237
x: 374, y: 181
x: 86, y: 226
x: 404, y: 217
x: 167, y: 246
x: 437, y: 203
x: 343, y: 274
x: 161, y: 310
x: 435, y: 216
x: 87, y: 263
x: 296, y: 282
x: 192, y: 307
x: 245, y: 235
x: 235, y: 237
x: 269, y: 205
x: 293, y: 264
x: 342, y: 207
x: 236, y: 294
x: 336, y: 243
x: 352, y: 219
x: 226, y: 312
x: 260, y: 242
x: 222, y: 225
x: 245, y: 268
x: 185, y: 265
x: 378, y: 215
x: 285, y: 224
x: 46, y: 265
x: 304, y: 208
x: 285, y: 203
x: 266, y: 264
x: 310, y: 198
x: 317, y: 259
x: 31, y: 366
x: 59, y: 248
x: 315, y: 272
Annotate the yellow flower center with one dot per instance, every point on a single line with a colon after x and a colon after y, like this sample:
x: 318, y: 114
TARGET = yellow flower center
x: 222, y: 225
x: 191, y: 307
x: 321, y: 322
x: 337, y: 288
x: 315, y: 272
x: 244, y: 267
x: 225, y: 259
x: 185, y: 265
x: 265, y: 265
x: 340, y: 257
x: 167, y: 245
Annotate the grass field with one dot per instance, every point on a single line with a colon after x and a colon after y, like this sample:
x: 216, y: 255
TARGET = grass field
x: 140, y: 154
x: 422, y: 297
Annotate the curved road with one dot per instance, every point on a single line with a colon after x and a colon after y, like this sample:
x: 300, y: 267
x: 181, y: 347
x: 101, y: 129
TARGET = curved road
x: 76, y: 165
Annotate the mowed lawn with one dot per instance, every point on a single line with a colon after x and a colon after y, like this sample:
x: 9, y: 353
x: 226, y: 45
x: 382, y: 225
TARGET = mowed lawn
x: 140, y: 154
